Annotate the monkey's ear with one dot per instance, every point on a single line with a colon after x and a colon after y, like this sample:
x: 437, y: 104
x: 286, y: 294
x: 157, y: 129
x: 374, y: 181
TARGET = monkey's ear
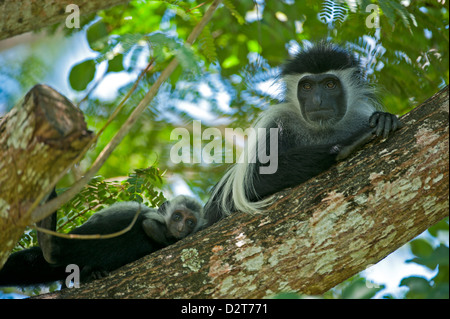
x: 163, y: 208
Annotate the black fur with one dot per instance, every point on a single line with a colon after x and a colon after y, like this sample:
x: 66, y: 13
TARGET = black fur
x: 95, y: 257
x: 318, y: 124
x: 321, y: 58
x: 28, y: 267
x: 104, y: 255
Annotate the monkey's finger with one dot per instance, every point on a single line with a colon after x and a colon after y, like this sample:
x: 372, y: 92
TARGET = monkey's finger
x: 374, y: 119
x: 381, y: 124
x: 99, y: 274
x: 394, y: 123
x: 387, y: 126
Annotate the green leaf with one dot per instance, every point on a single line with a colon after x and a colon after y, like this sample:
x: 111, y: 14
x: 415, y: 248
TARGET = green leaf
x: 116, y: 64
x: 439, y: 256
x: 207, y: 46
x: 287, y: 295
x: 229, y: 5
x: 441, y: 226
x: 231, y: 61
x: 421, y: 248
x: 361, y: 289
x: 97, y: 36
x: 160, y: 41
x: 419, y: 287
x: 253, y: 46
x: 82, y: 74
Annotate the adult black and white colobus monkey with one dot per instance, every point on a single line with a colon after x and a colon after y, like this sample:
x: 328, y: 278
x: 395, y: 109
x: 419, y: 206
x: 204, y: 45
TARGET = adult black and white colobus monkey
x: 153, y: 230
x: 329, y: 110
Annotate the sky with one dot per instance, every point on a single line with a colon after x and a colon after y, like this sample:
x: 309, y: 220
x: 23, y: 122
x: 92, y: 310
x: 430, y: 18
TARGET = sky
x: 389, y: 271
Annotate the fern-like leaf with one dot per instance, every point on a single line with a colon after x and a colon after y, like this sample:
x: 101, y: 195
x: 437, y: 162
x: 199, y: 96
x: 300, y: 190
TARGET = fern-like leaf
x: 333, y: 13
x: 392, y: 9
x: 207, y: 46
x: 230, y: 6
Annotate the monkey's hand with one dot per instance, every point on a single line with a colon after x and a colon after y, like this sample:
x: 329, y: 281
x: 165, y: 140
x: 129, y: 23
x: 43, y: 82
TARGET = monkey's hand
x: 383, y: 123
x: 89, y: 273
x: 156, y: 231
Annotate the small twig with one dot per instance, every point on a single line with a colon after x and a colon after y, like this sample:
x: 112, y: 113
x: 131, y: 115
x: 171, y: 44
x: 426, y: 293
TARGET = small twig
x: 196, y: 7
x: 42, y: 211
x: 92, y: 141
x: 91, y: 89
x: 126, y: 97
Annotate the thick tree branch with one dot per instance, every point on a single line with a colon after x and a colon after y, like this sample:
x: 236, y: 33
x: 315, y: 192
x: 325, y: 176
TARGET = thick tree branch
x: 39, y: 138
x: 17, y: 129
x: 17, y: 17
x: 47, y: 208
x: 315, y: 235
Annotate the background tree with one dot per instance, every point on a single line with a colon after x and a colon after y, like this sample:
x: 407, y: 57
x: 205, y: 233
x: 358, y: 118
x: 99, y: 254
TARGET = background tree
x: 229, y: 79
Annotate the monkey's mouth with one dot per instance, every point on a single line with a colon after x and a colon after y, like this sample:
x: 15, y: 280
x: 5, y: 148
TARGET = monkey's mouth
x: 321, y: 114
x: 180, y: 235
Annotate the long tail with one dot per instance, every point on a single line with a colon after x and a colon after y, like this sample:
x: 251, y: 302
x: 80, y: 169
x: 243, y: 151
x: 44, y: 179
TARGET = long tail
x: 236, y: 190
x: 234, y: 193
x: 28, y: 267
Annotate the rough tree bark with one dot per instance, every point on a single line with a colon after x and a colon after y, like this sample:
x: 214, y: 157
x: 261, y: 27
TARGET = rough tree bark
x: 315, y: 235
x: 17, y: 17
x: 39, y: 138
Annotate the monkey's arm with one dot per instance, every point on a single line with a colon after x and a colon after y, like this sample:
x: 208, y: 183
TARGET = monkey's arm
x: 155, y: 227
x: 295, y: 166
x: 300, y: 164
x: 382, y: 124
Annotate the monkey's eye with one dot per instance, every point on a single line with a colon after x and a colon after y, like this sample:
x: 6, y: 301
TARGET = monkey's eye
x: 190, y: 223
x: 306, y: 86
x: 331, y: 84
x: 176, y: 216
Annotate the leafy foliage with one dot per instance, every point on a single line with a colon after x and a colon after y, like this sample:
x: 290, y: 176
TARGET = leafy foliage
x: 333, y: 13
x: 81, y: 74
x: 434, y: 258
x: 142, y: 186
x: 356, y: 287
x: 228, y: 76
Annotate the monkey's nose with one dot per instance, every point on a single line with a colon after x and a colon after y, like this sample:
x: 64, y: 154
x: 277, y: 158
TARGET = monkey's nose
x: 317, y: 100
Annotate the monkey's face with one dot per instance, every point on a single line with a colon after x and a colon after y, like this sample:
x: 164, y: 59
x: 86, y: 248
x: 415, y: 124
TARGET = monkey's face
x: 182, y: 223
x: 322, y: 98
